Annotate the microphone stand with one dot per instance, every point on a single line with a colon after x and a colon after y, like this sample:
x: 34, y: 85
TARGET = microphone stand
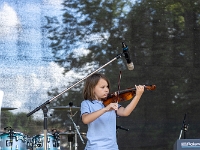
x: 43, y: 106
x: 76, y: 131
x: 11, y: 135
x: 184, y: 128
x: 122, y: 128
x: 45, y: 110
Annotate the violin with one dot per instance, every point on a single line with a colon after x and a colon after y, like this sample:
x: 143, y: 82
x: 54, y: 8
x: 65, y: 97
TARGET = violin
x: 125, y: 95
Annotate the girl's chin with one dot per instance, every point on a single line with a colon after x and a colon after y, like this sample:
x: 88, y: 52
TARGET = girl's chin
x: 104, y: 98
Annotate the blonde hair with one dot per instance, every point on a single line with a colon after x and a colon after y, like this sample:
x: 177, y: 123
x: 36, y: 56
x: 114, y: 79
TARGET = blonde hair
x: 90, y: 83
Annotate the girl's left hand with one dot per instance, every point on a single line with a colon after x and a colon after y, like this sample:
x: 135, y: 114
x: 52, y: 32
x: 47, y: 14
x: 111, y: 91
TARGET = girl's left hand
x: 139, y: 90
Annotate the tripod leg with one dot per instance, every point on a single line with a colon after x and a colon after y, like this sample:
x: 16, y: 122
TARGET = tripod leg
x: 76, y: 142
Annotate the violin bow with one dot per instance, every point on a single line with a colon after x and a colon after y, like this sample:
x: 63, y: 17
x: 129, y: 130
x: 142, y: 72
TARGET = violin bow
x: 120, y: 76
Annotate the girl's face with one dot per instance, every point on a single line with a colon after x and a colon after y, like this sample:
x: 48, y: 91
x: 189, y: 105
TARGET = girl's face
x: 101, y: 90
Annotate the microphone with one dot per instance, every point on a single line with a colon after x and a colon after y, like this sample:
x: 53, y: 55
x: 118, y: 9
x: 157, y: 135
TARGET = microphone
x: 70, y: 104
x: 127, y: 56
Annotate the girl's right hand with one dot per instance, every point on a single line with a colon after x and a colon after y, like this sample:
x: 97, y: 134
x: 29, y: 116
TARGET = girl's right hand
x: 112, y: 106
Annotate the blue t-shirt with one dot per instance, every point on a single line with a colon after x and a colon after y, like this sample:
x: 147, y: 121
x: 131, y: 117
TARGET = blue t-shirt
x: 101, y: 134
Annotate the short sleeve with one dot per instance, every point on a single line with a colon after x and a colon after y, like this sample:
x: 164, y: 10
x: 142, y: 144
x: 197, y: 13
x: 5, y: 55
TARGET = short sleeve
x: 85, y: 107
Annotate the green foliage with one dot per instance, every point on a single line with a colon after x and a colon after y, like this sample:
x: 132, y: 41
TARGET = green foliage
x: 21, y: 123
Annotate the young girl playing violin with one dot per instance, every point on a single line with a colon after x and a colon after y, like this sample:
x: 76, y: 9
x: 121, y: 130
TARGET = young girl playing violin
x: 101, y: 120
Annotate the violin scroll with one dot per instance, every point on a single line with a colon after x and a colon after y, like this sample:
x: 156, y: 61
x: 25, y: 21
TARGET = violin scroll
x: 150, y: 87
